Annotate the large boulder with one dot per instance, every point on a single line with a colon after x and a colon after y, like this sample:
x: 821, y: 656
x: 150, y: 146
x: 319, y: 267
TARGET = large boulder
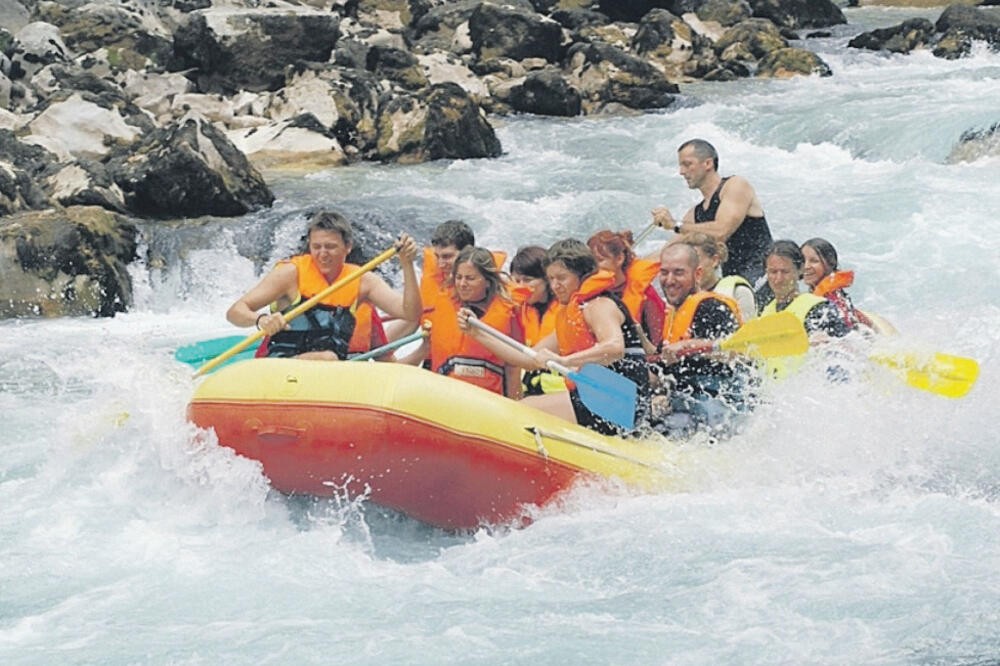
x: 188, y: 169
x: 503, y: 32
x: 757, y: 37
x: 231, y: 49
x: 78, y: 127
x: 909, y: 35
x: 799, y: 13
x: 961, y: 26
x: 442, y: 122
x: 131, y: 38
x: 70, y: 261
x: 670, y: 43
x: 792, y: 61
x: 724, y: 12
x: 605, y: 74
x: 297, y: 143
x: 545, y: 93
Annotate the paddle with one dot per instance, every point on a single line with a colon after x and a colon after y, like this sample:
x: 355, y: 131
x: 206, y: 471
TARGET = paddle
x: 197, y: 353
x: 296, y: 311
x: 940, y: 373
x: 780, y: 334
x: 602, y: 391
x: 423, y: 332
x: 642, y: 234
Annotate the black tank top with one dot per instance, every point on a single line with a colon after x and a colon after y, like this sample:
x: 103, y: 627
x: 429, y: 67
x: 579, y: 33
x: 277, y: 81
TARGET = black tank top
x: 748, y: 244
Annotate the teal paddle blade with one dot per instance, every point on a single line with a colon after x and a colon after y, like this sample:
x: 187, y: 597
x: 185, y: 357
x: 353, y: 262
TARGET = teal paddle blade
x: 198, y: 353
x: 607, y: 394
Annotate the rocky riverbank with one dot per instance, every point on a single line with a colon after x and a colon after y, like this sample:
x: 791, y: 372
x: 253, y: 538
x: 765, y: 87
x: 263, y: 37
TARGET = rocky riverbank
x: 172, y: 108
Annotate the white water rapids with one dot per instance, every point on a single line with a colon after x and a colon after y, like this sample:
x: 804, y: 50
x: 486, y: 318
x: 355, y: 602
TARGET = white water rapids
x: 850, y: 524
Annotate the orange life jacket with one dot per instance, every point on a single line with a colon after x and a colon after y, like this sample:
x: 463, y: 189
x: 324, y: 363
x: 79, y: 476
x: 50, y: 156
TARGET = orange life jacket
x: 434, y: 285
x: 458, y: 355
x: 638, y: 276
x: 830, y: 288
x: 535, y: 326
x: 677, y: 325
x: 572, y: 332
x: 311, y: 281
x: 833, y: 281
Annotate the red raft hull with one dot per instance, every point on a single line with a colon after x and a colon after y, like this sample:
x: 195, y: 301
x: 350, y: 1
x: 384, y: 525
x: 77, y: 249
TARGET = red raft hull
x: 441, y: 451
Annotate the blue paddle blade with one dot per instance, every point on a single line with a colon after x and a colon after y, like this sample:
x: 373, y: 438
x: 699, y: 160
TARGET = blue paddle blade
x: 198, y: 353
x: 607, y: 394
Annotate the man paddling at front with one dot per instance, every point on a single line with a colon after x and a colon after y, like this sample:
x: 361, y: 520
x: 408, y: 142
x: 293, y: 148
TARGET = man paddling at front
x: 701, y: 389
x: 729, y: 210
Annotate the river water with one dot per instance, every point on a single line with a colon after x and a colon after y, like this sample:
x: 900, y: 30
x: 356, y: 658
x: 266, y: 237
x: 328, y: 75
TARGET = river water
x: 849, y: 524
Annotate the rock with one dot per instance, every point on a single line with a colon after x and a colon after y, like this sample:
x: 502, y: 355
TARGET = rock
x: 68, y: 262
x: 799, y: 13
x: 151, y: 91
x: 962, y: 25
x: 300, y: 142
x: 132, y: 38
x: 634, y: 10
x: 973, y: 20
x: 396, y: 65
x: 619, y: 35
x: 438, y: 28
x: 342, y: 99
x: 903, y: 38
x: 603, y: 73
x: 574, y: 19
x: 388, y: 13
x: 953, y: 44
x: 759, y: 37
x: 669, y: 43
x: 545, y: 93
x: 249, y: 49
x: 21, y: 168
x: 188, y: 169
x: 83, y: 128
x: 83, y: 183
x: 445, y: 67
x: 440, y: 123
x: 792, y: 61
x: 975, y: 144
x: 36, y: 45
x: 502, y: 32
x: 13, y: 16
x: 724, y: 12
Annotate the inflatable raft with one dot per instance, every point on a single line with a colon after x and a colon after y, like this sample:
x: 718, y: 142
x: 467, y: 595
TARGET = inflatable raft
x: 439, y: 450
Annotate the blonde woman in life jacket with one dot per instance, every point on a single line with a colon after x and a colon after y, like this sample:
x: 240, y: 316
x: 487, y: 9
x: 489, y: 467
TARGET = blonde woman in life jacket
x: 338, y: 324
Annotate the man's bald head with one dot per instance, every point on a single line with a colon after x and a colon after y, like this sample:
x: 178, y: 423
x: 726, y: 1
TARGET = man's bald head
x: 681, y: 252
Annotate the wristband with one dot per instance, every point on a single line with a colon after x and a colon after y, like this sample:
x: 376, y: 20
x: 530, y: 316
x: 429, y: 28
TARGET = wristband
x: 257, y: 323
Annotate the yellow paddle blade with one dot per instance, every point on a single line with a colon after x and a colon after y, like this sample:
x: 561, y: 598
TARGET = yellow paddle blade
x: 780, y: 334
x: 940, y: 373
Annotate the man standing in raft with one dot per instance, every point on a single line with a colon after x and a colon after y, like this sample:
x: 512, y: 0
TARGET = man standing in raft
x: 332, y: 328
x: 730, y: 211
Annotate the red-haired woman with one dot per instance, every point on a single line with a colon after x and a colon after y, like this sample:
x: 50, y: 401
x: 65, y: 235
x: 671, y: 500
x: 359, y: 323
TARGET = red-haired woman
x: 633, y: 279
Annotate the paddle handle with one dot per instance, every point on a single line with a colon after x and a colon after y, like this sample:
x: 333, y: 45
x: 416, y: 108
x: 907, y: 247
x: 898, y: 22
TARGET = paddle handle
x: 395, y: 344
x: 520, y: 346
x: 699, y: 349
x: 296, y: 311
x: 642, y: 234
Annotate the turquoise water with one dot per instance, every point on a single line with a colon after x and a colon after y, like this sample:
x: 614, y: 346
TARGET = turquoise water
x: 850, y: 524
